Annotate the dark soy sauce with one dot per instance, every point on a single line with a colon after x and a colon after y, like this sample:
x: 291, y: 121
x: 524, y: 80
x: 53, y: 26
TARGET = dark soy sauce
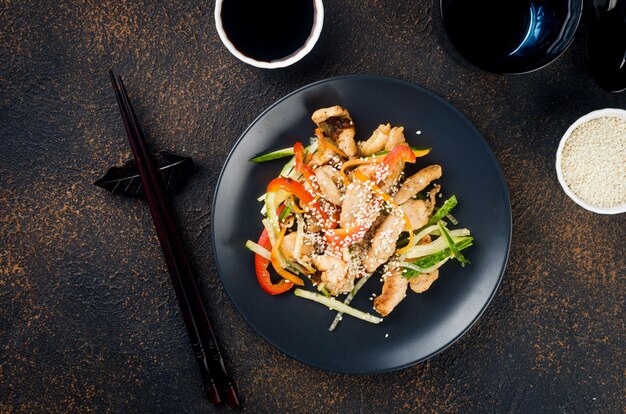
x: 486, y: 30
x: 267, y: 30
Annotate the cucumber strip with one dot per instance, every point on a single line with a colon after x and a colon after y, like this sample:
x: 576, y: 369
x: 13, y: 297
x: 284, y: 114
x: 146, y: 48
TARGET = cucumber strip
x: 452, y: 245
x: 270, y: 211
x: 285, y: 213
x: 325, y: 292
x: 295, y: 266
x: 348, y: 299
x: 297, y: 249
x: 426, y: 230
x: 452, y: 219
x: 411, y: 266
x: 260, y: 250
x: 273, y: 155
x: 444, y: 210
x: 431, y: 260
x: 270, y: 231
x: 288, y: 168
x: 262, y: 200
x: 337, y: 305
x: 420, y: 270
x: 414, y: 149
x: 439, y: 244
x: 272, y: 201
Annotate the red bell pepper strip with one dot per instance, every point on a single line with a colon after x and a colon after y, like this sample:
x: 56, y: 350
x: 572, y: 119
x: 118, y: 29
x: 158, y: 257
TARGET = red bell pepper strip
x: 301, y: 167
x: 399, y: 154
x: 340, y: 238
x: 297, y: 189
x: 263, y: 275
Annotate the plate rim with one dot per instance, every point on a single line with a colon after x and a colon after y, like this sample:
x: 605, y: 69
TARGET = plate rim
x: 483, y: 141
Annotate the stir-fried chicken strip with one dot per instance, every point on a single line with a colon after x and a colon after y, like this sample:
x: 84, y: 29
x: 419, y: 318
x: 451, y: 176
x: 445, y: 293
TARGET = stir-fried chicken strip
x: 327, y: 177
x: 360, y: 206
x: 396, y: 137
x: 321, y: 157
x: 288, y: 245
x: 418, y: 212
x: 422, y: 282
x: 376, y: 142
x: 383, y: 138
x: 323, y: 114
x: 334, y: 274
x: 336, y: 123
x: 417, y: 182
x: 355, y: 266
x: 384, y: 242
x: 346, y: 212
x: 383, y: 245
x: 394, y: 290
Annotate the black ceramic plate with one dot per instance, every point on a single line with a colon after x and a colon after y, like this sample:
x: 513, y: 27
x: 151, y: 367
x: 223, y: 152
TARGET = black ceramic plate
x: 422, y: 325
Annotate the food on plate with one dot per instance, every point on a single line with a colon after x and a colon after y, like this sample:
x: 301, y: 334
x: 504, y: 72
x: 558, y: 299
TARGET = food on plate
x: 341, y: 211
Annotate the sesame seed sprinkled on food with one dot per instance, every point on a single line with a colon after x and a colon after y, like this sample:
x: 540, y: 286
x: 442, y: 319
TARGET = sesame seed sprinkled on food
x: 348, y: 212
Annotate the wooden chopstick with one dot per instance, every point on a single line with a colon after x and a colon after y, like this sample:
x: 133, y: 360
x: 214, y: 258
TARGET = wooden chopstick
x: 203, y: 340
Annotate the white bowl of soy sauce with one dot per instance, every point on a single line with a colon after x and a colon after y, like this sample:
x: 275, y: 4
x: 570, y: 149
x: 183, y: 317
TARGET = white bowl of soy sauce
x: 269, y: 34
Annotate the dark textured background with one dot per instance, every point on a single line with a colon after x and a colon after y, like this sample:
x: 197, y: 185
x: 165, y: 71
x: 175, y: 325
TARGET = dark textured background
x: 88, y: 319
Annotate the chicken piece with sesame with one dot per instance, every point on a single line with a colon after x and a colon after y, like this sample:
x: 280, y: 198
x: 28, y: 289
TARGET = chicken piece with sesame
x: 376, y: 142
x: 394, y: 290
x: 335, y: 122
x: 384, y: 242
x: 423, y: 281
x: 417, y: 182
x: 327, y: 177
x: 288, y: 248
x: 384, y: 138
x: 360, y: 206
x: 335, y: 274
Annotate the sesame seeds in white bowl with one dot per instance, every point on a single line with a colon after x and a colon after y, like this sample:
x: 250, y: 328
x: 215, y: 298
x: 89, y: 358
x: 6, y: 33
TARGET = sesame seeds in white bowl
x: 591, y: 161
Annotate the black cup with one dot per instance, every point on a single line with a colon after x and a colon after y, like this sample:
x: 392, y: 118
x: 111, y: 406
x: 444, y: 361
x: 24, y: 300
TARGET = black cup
x: 510, y: 36
x: 606, y: 43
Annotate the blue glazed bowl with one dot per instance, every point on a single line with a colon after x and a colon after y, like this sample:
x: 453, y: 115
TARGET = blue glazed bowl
x: 512, y: 36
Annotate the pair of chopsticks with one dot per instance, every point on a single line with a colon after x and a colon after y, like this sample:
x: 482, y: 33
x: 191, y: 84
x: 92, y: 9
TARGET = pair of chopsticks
x: 218, y: 384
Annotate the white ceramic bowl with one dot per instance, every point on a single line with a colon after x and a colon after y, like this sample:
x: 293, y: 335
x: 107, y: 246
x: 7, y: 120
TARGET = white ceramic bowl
x: 316, y: 30
x: 607, y: 112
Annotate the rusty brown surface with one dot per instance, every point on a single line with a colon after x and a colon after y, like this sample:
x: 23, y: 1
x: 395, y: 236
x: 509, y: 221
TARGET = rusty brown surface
x: 88, y: 319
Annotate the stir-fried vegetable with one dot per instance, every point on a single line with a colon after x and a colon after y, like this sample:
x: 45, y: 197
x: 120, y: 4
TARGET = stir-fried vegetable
x: 337, y: 305
x: 280, y: 267
x: 427, y: 262
x: 273, y: 155
x: 445, y: 209
x: 340, y: 212
x: 263, y: 275
x: 348, y: 299
x: 453, y: 248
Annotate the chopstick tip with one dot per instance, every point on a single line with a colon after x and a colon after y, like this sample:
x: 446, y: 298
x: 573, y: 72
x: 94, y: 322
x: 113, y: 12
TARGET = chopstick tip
x: 231, y: 398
